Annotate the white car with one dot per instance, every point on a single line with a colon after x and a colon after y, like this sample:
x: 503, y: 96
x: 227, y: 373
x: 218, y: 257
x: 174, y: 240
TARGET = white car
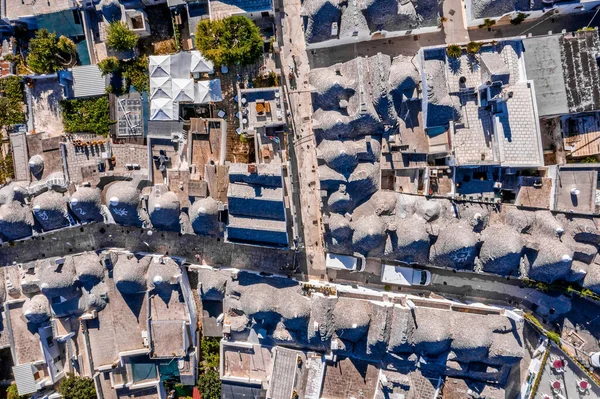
x: 404, y: 275
x: 343, y: 262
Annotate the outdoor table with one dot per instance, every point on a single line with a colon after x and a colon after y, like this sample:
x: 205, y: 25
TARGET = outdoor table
x: 557, y: 364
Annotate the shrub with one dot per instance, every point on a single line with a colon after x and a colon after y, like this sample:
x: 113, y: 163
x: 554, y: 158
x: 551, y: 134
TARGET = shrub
x: 119, y: 37
x: 7, y: 171
x: 109, y: 65
x: 74, y: 387
x: 11, y: 103
x: 519, y: 18
x: 453, y: 51
x: 89, y: 116
x: 589, y: 160
x: 473, y: 47
x: 554, y: 337
x: 13, y: 393
x: 135, y: 73
x: 209, y: 382
x: 487, y: 23
x: 233, y: 40
x: 47, y: 54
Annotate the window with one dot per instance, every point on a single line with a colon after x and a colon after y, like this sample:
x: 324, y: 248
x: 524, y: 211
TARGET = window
x: 264, y: 14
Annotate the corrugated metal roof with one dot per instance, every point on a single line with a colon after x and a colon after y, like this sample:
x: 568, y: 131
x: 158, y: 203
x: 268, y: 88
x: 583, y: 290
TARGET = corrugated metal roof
x: 88, y: 81
x: 24, y: 378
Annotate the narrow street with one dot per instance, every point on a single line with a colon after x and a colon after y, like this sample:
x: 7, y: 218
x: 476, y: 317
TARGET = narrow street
x: 410, y: 45
x: 294, y: 60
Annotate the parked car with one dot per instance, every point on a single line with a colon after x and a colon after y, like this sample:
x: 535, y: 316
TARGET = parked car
x: 343, y: 262
x: 404, y: 275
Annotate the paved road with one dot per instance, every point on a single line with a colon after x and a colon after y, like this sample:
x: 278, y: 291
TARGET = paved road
x: 202, y: 250
x: 293, y: 58
x: 555, y: 310
x: 409, y: 45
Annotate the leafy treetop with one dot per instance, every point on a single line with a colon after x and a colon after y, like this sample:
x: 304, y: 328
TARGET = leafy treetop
x: 11, y: 101
x: 120, y: 37
x: 233, y: 40
x: 74, y: 387
x: 13, y: 393
x: 48, y: 54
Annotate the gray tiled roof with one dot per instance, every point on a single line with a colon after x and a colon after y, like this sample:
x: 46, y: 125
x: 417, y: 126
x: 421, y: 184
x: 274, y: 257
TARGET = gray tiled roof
x: 50, y: 210
x: 126, y: 203
x: 86, y: 204
x: 16, y: 221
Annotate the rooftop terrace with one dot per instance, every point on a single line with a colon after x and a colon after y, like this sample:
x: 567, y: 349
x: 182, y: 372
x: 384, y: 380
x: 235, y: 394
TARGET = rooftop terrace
x: 491, y: 108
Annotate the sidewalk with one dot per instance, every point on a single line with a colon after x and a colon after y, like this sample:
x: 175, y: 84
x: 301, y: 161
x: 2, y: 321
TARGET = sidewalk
x: 455, y: 26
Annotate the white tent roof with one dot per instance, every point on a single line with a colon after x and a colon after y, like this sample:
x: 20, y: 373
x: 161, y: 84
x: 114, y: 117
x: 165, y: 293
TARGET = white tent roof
x: 200, y: 64
x: 163, y: 109
x: 160, y: 88
x: 160, y: 66
x: 183, y: 90
x: 209, y: 91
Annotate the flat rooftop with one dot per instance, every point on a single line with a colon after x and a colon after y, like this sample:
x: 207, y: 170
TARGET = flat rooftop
x: 220, y: 9
x: 118, y: 327
x: 502, y: 129
x: 25, y: 338
x: 46, y: 95
x: 14, y: 9
x: 169, y: 316
x: 261, y: 107
x: 246, y: 362
x: 585, y: 181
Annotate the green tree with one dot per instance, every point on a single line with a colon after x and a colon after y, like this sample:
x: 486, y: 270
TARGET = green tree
x: 209, y: 384
x: 135, y: 73
x: 47, y: 54
x: 74, y: 387
x: 66, y: 45
x: 453, y: 51
x: 11, y: 101
x: 13, y: 393
x: 90, y: 115
x: 233, y: 40
x: 120, y: 37
x: 473, y: 47
x: 519, y: 18
x: 109, y: 65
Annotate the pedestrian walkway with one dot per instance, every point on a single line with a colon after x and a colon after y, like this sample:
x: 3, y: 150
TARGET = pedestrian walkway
x: 455, y: 26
